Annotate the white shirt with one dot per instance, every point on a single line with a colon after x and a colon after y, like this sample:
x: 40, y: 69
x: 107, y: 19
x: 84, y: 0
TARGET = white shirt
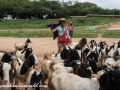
x: 60, y: 31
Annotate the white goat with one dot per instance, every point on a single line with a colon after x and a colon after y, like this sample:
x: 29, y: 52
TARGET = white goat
x: 68, y: 81
x: 21, y: 46
x: 58, y: 67
x: 110, y: 53
x: 6, y: 68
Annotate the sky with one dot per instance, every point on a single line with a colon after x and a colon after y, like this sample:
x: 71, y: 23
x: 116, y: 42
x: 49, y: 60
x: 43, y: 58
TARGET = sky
x: 111, y: 4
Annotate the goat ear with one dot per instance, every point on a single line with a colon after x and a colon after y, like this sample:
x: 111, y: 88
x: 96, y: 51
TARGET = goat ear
x: 114, y: 43
x: 32, y: 80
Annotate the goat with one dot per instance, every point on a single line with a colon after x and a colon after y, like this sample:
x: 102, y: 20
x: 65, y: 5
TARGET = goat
x: 85, y: 51
x: 102, y: 52
x: 23, y: 68
x: 21, y: 46
x: 106, y: 80
x: 94, y: 66
x: 6, y: 74
x: 5, y: 56
x: 34, y: 77
x: 115, y: 46
x: 68, y: 55
x: 82, y: 43
x: 110, y: 80
x: 102, y: 44
x: 68, y: 81
x: 59, y: 68
x: 117, y: 54
x: 23, y: 55
x: 92, y: 43
x: 92, y: 55
x: 83, y: 70
x: 110, y: 53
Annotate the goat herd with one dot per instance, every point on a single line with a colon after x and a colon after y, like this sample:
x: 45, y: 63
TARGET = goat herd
x: 17, y: 66
x: 80, y: 66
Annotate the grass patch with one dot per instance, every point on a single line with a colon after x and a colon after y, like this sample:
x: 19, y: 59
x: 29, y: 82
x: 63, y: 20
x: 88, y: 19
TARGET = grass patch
x: 111, y: 34
x: 26, y: 34
x: 24, y: 24
x: 83, y: 33
x: 37, y: 28
x: 40, y: 24
x: 78, y: 33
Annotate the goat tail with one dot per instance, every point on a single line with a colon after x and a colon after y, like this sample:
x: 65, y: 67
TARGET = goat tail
x: 45, y: 57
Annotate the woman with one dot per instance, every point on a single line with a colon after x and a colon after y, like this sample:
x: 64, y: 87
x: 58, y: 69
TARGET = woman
x: 71, y: 31
x: 63, y: 34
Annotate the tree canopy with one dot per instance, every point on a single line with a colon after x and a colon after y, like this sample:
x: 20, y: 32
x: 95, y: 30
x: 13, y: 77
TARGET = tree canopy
x: 22, y: 9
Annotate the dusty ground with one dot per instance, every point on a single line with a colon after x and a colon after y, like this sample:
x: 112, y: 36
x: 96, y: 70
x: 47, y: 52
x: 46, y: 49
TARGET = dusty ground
x: 42, y: 46
x: 113, y: 26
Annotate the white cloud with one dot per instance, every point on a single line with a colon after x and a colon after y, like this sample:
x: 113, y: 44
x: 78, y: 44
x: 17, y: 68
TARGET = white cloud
x: 111, y: 4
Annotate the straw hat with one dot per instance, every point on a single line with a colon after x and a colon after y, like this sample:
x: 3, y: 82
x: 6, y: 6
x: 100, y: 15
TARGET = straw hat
x: 62, y: 19
x: 70, y: 22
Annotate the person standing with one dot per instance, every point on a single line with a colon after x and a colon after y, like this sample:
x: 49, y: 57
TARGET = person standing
x: 70, y: 31
x: 63, y: 34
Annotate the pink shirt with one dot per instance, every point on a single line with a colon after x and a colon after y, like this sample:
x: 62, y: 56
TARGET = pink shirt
x: 70, y: 27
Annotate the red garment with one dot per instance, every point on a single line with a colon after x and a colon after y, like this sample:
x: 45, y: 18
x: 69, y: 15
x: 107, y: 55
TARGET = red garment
x: 67, y: 41
x: 63, y: 38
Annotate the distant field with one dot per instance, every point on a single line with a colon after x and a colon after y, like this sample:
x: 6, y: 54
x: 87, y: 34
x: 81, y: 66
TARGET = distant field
x: 47, y: 33
x: 37, y: 28
x: 40, y: 24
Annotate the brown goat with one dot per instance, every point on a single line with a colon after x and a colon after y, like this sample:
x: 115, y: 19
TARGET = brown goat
x: 83, y: 70
x: 82, y: 42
